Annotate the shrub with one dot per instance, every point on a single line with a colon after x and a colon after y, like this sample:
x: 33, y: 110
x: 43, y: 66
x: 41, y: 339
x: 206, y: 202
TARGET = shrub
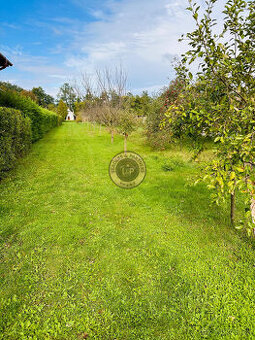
x: 62, y: 109
x: 42, y: 120
x: 49, y: 120
x: 78, y: 119
x: 15, y: 137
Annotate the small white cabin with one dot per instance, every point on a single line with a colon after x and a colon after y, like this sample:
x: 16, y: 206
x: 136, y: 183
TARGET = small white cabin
x: 70, y: 115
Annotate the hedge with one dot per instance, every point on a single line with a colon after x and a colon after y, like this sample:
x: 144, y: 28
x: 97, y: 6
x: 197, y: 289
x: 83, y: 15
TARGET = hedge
x: 42, y: 120
x: 15, y: 137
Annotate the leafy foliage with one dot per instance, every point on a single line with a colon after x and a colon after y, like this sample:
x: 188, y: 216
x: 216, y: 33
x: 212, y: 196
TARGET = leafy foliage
x: 42, y: 98
x: 15, y: 137
x: 157, y: 137
x: 126, y: 123
x: 42, y: 120
x: 9, y: 86
x: 29, y: 94
x: 62, y: 109
x: 219, y: 104
x: 140, y: 105
x: 67, y: 95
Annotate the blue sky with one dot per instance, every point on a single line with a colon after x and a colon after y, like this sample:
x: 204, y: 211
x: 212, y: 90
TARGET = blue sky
x: 53, y: 41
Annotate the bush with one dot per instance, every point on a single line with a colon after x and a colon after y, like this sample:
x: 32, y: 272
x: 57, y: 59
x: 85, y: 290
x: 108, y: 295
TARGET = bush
x: 49, y: 120
x: 15, y: 137
x: 78, y: 119
x: 22, y: 121
x: 42, y: 120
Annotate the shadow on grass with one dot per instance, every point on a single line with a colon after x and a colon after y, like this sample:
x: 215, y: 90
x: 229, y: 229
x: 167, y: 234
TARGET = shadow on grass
x: 188, y: 202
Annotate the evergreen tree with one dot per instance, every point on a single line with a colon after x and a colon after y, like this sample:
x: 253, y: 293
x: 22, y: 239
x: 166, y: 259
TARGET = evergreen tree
x: 43, y: 99
x: 68, y: 96
x: 62, y: 109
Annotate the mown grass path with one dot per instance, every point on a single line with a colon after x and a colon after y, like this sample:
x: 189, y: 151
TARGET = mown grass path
x: 82, y: 258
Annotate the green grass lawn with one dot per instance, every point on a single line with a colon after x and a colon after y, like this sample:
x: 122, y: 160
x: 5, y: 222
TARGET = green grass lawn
x: 83, y: 258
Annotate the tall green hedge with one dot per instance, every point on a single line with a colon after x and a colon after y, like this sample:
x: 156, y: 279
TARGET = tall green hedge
x: 42, y: 120
x: 15, y: 137
x: 22, y: 122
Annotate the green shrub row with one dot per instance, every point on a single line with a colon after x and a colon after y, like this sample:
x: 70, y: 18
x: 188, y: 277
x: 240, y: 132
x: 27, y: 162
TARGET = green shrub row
x: 42, y: 120
x: 15, y: 137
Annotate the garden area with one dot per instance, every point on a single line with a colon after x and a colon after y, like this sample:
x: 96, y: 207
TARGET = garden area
x: 132, y: 216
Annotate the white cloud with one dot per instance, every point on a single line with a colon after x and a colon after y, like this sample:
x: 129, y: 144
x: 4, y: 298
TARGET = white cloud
x: 142, y: 35
x: 32, y: 71
x: 10, y: 25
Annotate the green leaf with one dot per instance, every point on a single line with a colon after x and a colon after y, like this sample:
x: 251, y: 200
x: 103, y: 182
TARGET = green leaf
x: 239, y: 227
x: 232, y: 175
x: 195, y: 16
x: 240, y: 169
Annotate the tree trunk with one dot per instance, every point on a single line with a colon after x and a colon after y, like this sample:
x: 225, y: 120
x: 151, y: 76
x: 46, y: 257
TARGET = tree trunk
x: 232, y: 208
x: 112, y: 136
x: 125, y: 143
x: 252, y: 206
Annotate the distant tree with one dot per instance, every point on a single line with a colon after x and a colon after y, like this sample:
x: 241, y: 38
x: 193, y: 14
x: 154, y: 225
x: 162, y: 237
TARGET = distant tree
x: 29, y: 94
x: 62, y: 109
x: 145, y: 102
x: 43, y: 99
x: 68, y: 94
x: 10, y: 86
x: 52, y: 107
x: 84, y: 88
x: 112, y: 86
x: 126, y: 124
x: 139, y: 104
x: 158, y: 138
